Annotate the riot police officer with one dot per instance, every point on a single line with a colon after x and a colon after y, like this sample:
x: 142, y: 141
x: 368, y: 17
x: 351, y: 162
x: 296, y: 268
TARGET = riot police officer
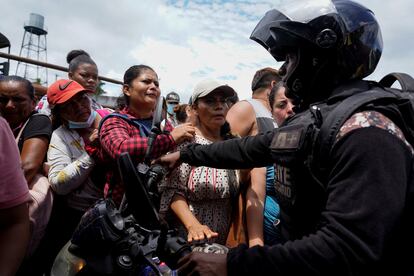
x: 172, y: 99
x: 345, y: 208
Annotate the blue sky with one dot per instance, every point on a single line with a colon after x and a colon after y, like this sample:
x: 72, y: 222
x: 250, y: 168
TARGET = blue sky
x: 184, y: 41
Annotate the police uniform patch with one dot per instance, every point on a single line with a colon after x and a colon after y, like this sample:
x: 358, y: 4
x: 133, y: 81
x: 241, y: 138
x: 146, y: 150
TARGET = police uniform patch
x: 288, y: 138
x: 372, y: 119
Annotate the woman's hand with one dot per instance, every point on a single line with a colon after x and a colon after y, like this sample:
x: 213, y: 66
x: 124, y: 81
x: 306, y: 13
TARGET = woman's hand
x: 199, y: 232
x: 96, y: 122
x: 90, y: 136
x: 183, y: 133
x: 93, y: 136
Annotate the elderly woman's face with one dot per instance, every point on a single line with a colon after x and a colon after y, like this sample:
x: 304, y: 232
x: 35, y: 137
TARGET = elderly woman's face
x: 76, y: 109
x: 15, y: 102
x: 282, y: 106
x: 211, y: 110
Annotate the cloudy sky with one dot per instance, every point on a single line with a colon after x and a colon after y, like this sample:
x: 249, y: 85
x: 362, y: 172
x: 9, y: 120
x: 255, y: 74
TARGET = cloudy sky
x: 184, y: 41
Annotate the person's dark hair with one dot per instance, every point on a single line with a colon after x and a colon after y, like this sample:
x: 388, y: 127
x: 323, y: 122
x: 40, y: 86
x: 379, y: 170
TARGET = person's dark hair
x: 273, y: 92
x: 78, y: 57
x: 264, y: 77
x: 164, y: 108
x: 55, y: 117
x: 29, y: 86
x: 180, y: 112
x: 225, y: 132
x: 233, y: 99
x: 120, y: 103
x: 132, y: 73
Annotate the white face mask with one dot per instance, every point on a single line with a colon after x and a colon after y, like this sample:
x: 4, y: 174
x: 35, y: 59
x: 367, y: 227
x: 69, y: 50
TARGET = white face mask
x: 86, y: 124
x: 170, y: 108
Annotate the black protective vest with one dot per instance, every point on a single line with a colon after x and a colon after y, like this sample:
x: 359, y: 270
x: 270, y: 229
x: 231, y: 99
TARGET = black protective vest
x: 301, y: 149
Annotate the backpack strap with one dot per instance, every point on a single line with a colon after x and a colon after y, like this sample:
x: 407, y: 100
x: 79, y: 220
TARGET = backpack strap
x: 405, y: 80
x: 337, y: 117
x: 143, y: 130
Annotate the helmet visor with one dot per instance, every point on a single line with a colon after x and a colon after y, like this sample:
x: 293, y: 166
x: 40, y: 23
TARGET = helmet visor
x: 279, y: 30
x: 261, y: 32
x: 306, y: 10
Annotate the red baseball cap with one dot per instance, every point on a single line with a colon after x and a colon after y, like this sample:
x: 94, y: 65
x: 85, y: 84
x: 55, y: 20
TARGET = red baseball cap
x: 62, y: 90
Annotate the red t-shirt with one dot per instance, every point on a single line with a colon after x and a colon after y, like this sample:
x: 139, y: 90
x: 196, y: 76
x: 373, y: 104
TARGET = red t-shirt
x: 118, y: 136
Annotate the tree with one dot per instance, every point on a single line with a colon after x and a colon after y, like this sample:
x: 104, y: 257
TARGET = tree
x: 99, y: 90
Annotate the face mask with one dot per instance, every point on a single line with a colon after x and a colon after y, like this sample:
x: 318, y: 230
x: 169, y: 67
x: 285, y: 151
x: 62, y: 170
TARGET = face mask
x: 88, y: 123
x: 170, y: 108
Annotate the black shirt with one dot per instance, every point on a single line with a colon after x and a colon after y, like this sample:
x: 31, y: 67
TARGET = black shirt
x: 359, y: 229
x: 38, y: 125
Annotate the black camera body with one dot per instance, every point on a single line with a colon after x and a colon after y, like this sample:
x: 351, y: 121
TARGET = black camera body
x: 125, y: 240
x: 112, y: 241
x: 171, y: 248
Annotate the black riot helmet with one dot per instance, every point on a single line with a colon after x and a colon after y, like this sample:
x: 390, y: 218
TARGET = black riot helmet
x: 173, y: 97
x: 324, y: 43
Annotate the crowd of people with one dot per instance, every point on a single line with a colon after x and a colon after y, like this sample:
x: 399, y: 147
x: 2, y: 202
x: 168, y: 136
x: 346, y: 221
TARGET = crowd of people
x: 242, y: 172
x: 66, y: 139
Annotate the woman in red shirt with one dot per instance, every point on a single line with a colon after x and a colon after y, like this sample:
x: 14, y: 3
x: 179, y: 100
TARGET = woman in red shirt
x: 117, y: 135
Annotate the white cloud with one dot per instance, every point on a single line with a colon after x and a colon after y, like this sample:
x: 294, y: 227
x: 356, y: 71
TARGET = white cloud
x: 225, y: 61
x: 184, y: 41
x: 212, y: 42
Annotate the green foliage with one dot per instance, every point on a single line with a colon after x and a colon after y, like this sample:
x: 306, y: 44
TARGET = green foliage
x: 99, y: 90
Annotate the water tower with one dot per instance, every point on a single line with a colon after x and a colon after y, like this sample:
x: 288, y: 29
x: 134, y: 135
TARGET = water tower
x: 34, y: 46
x: 4, y: 66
